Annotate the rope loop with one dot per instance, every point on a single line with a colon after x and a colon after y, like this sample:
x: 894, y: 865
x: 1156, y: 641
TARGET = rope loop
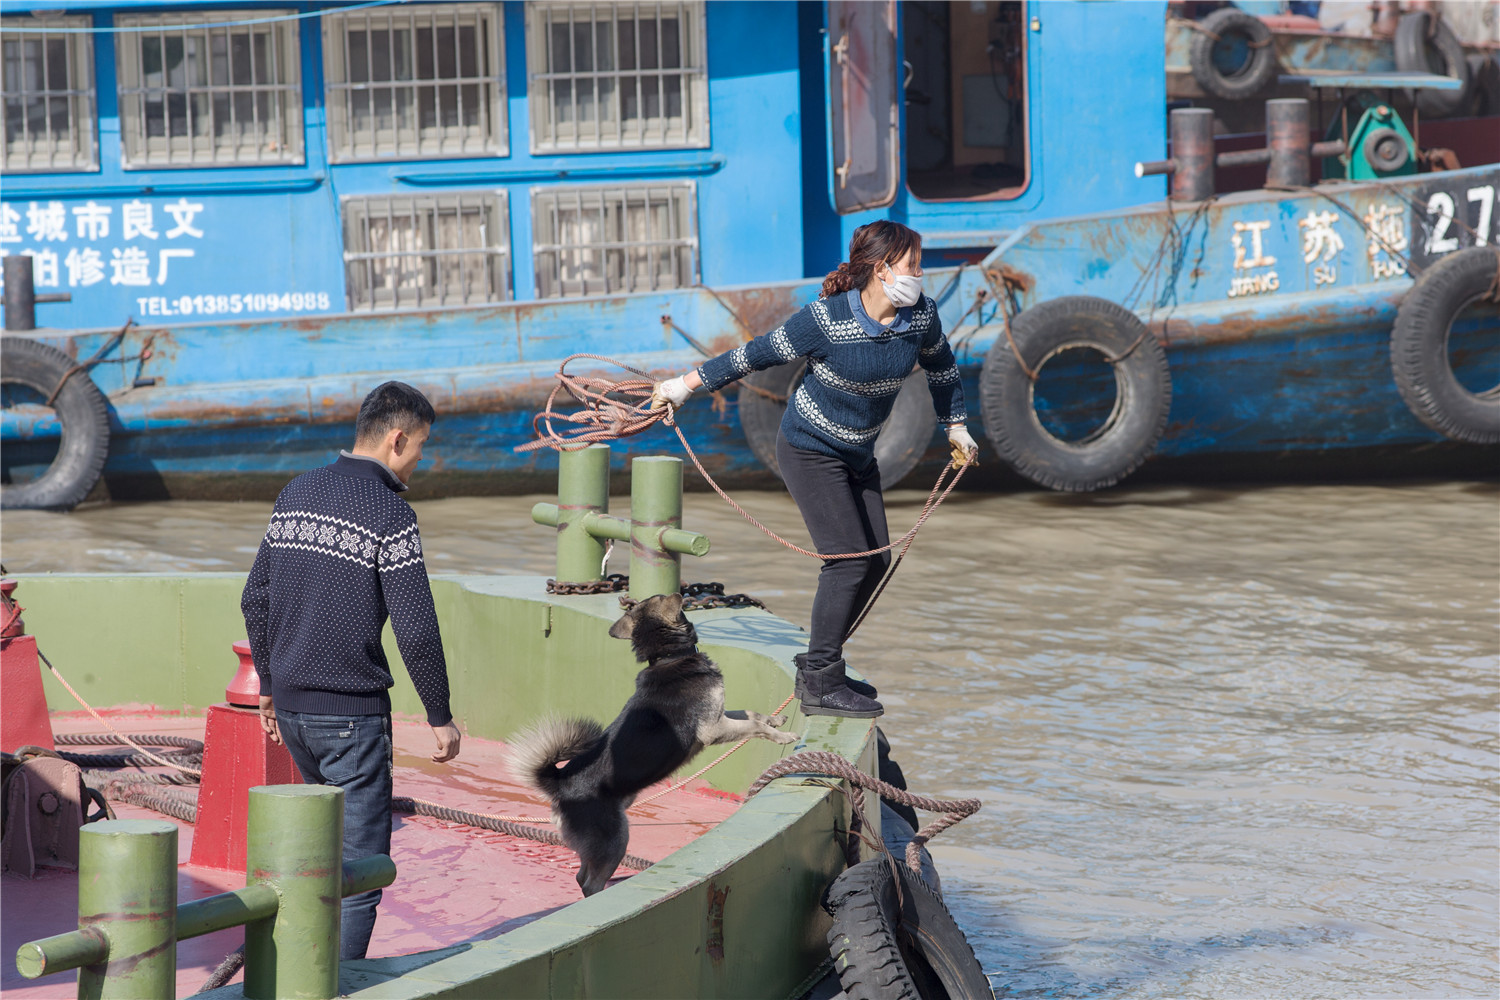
x: 821, y: 762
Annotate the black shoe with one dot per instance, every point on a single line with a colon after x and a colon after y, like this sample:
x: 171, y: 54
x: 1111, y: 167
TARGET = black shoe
x: 857, y: 686
x: 842, y: 702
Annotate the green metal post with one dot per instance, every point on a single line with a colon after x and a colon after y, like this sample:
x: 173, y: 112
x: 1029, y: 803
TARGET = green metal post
x: 295, y: 846
x: 582, y: 488
x: 127, y: 892
x: 655, y: 507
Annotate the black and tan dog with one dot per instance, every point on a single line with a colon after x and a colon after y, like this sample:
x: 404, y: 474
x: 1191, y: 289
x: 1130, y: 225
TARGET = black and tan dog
x: 677, y: 710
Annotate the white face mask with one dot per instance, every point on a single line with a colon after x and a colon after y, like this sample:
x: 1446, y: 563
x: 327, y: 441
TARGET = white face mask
x: 903, y: 290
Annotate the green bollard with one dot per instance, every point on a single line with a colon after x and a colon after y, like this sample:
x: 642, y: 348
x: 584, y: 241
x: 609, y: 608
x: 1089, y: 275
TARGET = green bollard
x: 295, y: 846
x: 582, y: 487
x: 127, y: 891
x: 655, y: 508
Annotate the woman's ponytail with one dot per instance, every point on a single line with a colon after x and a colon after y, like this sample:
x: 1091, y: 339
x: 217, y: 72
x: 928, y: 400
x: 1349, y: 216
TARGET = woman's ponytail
x: 881, y: 242
x: 837, y: 282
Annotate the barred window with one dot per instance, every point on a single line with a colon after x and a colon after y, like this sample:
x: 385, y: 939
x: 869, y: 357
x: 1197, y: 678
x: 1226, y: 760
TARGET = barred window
x: 415, y: 82
x: 420, y: 251
x: 194, y: 93
x: 49, y: 96
x: 602, y: 240
x: 616, y: 76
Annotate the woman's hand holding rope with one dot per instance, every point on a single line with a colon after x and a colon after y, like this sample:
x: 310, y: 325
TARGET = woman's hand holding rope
x: 606, y: 417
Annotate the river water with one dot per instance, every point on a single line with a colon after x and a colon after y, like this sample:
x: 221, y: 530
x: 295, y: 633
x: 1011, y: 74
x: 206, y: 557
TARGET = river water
x: 1231, y: 742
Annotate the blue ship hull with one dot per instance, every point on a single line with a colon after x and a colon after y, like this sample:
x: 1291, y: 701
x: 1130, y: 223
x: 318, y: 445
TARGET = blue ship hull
x: 1279, y: 350
x: 1298, y: 372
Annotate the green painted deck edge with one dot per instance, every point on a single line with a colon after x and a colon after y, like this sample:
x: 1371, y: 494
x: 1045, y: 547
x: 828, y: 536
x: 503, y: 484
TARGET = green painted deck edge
x: 163, y: 641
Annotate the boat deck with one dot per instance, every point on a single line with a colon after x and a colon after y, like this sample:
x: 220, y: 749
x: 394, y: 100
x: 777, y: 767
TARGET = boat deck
x: 454, y: 883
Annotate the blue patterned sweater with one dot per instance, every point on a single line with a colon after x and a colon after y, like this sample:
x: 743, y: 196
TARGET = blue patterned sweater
x: 340, y: 554
x: 855, y: 369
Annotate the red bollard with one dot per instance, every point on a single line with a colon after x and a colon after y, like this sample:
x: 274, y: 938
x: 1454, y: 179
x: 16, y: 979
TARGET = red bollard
x: 237, y: 756
x: 23, y: 711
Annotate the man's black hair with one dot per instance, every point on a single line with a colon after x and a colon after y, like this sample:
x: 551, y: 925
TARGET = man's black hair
x: 392, y: 405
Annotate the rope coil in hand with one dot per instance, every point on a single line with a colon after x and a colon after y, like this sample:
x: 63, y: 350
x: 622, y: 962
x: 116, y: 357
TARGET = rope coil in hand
x: 609, y: 414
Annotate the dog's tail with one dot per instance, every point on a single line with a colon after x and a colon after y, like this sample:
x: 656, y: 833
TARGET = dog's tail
x: 535, y: 752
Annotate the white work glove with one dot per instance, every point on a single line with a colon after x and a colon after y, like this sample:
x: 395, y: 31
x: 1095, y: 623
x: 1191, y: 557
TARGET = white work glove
x: 672, y: 390
x: 965, y: 451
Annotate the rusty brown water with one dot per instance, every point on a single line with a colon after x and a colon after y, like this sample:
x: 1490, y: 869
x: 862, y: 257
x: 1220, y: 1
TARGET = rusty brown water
x: 1231, y: 742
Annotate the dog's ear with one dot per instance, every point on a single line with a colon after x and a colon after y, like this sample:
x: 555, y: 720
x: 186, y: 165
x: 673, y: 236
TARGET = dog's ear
x: 671, y: 608
x: 625, y: 627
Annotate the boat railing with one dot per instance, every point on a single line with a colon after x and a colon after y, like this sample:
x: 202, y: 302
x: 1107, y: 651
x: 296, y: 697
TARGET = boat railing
x: 654, y: 528
x: 129, y: 921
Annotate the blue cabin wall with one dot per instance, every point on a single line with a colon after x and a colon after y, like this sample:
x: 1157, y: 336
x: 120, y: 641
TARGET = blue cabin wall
x: 277, y: 229
x: 1092, y: 108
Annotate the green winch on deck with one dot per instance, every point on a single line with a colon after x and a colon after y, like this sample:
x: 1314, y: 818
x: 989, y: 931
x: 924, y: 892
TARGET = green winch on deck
x: 1380, y: 146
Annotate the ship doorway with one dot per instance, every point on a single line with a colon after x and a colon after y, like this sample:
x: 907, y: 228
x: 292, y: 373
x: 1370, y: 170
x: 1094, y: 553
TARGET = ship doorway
x: 966, y: 129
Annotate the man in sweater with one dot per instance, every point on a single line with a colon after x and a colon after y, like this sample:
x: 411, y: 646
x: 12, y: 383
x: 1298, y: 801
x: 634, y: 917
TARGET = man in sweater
x: 341, y: 554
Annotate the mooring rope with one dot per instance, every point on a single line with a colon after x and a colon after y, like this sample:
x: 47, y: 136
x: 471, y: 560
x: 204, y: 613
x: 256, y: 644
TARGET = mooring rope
x: 616, y: 408
x: 821, y: 762
x: 105, y: 723
x: 499, y: 824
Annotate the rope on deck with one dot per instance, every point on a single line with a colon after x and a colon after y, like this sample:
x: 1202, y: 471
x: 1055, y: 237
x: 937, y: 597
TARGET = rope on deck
x: 498, y: 824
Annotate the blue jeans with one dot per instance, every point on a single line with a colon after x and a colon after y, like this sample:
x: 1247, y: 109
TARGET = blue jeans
x: 352, y: 753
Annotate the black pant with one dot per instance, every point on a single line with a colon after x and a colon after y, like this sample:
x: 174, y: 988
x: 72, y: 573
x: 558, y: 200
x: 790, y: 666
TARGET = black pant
x: 844, y: 512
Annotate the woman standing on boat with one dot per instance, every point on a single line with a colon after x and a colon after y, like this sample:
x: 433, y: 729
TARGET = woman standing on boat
x: 868, y: 327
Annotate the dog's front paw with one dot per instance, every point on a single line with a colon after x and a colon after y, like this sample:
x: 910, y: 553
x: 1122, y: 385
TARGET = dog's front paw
x: 776, y: 721
x: 784, y: 738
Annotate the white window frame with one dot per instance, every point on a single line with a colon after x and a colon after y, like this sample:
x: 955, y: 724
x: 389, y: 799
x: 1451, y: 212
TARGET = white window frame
x: 284, y: 140
x: 425, y: 263
x: 78, y: 148
x: 350, y: 144
x: 553, y: 133
x: 611, y: 256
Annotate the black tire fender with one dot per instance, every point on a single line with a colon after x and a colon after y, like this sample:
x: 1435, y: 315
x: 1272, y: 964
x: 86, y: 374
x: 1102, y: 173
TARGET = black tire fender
x: 898, y: 944
x: 1232, y: 27
x: 84, y: 416
x: 1413, y: 49
x: 903, y: 439
x: 1419, y: 346
x: 1143, y: 394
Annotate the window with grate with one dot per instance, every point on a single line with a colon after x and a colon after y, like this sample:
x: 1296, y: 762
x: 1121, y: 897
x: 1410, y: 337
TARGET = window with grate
x: 197, y: 93
x: 596, y: 241
x: 419, y: 81
x: 50, y: 117
x: 421, y: 251
x: 616, y: 76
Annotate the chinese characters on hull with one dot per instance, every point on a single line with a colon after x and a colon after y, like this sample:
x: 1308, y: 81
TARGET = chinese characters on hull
x: 1321, y: 244
x: 1385, y: 240
x: 46, y: 224
x: 1249, y: 276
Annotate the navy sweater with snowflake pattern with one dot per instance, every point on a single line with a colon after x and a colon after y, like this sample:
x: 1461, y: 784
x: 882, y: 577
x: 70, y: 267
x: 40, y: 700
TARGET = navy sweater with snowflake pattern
x: 855, y: 370
x: 342, y: 553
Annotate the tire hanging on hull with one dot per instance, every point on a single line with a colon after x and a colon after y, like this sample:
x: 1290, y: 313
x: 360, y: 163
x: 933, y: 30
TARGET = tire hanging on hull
x: 898, y: 942
x: 1219, y: 37
x: 1420, y: 360
x: 1143, y: 393
x: 903, y: 439
x: 81, y: 410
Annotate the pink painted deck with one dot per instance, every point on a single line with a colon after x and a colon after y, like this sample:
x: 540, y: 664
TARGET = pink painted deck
x: 453, y: 883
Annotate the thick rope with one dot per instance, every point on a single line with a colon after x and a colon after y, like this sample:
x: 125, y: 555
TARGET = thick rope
x: 831, y: 764
x: 498, y: 824
x: 105, y: 723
